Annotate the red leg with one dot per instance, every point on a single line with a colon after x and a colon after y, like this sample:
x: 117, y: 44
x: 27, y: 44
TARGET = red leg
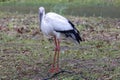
x: 53, y: 69
x: 55, y: 65
x: 58, y: 53
x: 55, y: 54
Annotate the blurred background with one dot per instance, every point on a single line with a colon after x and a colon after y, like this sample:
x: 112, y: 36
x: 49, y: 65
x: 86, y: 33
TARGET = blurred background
x: 26, y: 55
x: 103, y: 8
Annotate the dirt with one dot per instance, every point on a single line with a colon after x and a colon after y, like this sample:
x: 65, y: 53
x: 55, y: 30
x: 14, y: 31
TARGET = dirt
x: 22, y: 43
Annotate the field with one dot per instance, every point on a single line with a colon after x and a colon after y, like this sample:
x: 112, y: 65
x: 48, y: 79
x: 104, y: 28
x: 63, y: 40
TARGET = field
x: 104, y: 8
x: 25, y: 54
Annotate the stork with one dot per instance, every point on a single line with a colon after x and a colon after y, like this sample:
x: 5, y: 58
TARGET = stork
x: 55, y: 25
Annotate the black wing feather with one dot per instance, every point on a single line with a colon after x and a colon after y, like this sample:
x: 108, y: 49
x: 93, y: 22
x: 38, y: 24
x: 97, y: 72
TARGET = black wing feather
x: 73, y: 33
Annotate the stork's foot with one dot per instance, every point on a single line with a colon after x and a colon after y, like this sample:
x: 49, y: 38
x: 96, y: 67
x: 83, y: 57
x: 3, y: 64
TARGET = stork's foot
x: 54, y: 70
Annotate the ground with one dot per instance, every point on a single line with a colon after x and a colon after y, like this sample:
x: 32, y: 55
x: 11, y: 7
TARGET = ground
x: 25, y: 54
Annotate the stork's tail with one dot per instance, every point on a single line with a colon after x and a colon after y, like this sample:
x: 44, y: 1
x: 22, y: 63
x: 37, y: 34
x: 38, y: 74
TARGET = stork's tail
x: 74, y: 34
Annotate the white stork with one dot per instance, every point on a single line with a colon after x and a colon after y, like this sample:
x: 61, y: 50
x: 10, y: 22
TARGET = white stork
x: 55, y: 25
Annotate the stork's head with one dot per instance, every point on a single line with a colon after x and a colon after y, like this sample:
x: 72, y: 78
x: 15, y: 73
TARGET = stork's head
x: 41, y: 10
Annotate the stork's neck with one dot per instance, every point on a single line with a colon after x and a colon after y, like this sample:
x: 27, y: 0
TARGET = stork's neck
x: 41, y: 16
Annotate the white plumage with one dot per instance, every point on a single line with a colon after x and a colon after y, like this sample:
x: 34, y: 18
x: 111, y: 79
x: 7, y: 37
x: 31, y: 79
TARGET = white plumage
x: 55, y: 25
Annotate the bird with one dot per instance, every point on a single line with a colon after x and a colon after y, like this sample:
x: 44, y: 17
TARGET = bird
x: 55, y: 25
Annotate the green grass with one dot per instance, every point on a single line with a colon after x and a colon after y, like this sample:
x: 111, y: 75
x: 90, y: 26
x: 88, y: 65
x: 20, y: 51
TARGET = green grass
x: 54, y: 5
x: 80, y: 2
x: 28, y: 56
x: 67, y: 7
